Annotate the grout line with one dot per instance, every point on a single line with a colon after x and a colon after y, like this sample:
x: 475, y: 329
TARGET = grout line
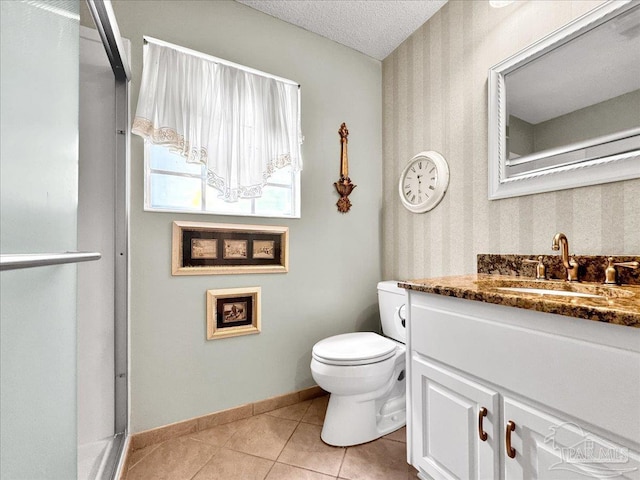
x: 205, y: 463
x: 224, y: 445
x: 305, y: 469
x: 129, y: 467
x: 271, y: 468
x: 288, y: 440
x: 342, y: 461
x: 245, y: 453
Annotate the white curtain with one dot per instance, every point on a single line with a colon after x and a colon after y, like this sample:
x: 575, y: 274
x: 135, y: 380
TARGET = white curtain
x: 242, y: 125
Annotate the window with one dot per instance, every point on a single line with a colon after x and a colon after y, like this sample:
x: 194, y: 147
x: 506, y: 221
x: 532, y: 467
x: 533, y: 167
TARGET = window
x: 220, y: 138
x: 173, y: 185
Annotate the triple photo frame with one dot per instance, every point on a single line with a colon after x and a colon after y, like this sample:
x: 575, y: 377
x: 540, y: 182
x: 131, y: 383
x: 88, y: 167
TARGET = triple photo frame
x: 218, y: 248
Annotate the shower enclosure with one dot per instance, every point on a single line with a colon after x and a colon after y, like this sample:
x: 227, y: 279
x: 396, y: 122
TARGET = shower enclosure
x: 43, y: 227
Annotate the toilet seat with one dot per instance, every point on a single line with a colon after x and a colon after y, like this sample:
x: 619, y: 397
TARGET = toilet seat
x: 350, y: 349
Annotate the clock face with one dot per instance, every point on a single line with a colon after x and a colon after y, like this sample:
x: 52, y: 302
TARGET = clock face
x: 420, y: 181
x: 424, y: 182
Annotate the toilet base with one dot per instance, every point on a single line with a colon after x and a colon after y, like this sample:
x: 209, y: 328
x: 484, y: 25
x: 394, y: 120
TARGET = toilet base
x: 351, y: 421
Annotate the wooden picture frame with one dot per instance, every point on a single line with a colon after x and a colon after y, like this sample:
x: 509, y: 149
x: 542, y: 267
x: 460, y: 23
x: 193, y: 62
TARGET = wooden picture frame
x: 232, y: 312
x: 223, y: 248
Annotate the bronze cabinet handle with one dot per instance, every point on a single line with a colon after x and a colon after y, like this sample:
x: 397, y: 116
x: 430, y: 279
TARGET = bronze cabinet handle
x: 481, y: 433
x: 511, y: 452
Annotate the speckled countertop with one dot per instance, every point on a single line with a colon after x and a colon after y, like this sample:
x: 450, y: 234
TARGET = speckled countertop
x: 617, y: 304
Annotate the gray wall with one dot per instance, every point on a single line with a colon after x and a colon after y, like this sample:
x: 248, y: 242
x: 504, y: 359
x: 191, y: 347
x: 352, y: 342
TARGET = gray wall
x: 334, y: 259
x: 614, y: 115
x: 435, y: 98
x: 520, y: 138
x: 611, y: 116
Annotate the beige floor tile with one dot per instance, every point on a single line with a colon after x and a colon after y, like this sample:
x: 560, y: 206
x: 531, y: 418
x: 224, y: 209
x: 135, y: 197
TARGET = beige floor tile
x: 378, y: 460
x: 399, y: 435
x: 176, y: 459
x: 246, y: 450
x: 137, y: 455
x: 292, y: 412
x: 281, y: 471
x: 263, y: 435
x: 230, y: 465
x: 305, y: 449
x: 220, y: 434
x: 315, y: 413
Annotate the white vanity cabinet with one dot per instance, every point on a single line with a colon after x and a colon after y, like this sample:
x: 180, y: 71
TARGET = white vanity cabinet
x: 570, y: 387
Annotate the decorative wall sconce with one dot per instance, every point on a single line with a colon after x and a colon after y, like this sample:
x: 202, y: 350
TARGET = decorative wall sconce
x: 344, y: 185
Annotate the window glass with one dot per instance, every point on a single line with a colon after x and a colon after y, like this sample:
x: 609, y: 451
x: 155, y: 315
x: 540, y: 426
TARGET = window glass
x: 171, y: 191
x: 273, y: 200
x: 281, y: 176
x: 215, y: 204
x: 172, y: 184
x: 163, y: 159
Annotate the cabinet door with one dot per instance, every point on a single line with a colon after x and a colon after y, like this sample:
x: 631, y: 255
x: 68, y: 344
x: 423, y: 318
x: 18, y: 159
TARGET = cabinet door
x: 445, y: 425
x: 547, y: 447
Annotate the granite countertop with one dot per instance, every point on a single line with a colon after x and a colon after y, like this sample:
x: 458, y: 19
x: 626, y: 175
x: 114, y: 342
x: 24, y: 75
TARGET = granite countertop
x: 617, y: 304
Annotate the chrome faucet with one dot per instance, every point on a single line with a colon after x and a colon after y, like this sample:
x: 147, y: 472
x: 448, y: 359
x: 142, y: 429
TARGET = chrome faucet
x: 570, y: 264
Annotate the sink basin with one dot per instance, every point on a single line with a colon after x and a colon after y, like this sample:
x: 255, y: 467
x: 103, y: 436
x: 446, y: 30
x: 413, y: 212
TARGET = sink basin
x: 556, y: 288
x: 543, y: 291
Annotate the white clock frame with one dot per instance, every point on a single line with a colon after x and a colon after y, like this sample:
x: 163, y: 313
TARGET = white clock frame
x: 442, y: 182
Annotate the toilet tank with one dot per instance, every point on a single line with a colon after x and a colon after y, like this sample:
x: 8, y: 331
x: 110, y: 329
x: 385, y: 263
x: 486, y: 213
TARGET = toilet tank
x: 391, y: 300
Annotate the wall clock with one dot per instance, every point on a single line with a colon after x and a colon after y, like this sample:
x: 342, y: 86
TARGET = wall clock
x: 424, y: 182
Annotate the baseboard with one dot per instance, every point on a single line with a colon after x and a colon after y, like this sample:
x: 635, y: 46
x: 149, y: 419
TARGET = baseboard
x: 193, y: 425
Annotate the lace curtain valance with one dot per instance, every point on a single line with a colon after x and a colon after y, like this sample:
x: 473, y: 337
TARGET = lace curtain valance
x: 240, y: 123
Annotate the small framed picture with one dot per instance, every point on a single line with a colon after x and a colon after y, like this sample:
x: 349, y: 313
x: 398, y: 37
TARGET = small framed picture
x: 235, y: 249
x: 264, y: 249
x: 232, y: 312
x: 222, y: 248
x: 204, y: 248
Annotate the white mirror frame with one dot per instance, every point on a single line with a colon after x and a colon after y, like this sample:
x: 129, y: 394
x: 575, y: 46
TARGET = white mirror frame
x: 601, y: 170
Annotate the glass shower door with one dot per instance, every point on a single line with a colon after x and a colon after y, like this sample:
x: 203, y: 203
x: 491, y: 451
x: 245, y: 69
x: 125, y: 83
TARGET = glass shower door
x: 38, y: 211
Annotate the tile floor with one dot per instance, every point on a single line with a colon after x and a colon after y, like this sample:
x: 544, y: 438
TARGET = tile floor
x: 283, y: 444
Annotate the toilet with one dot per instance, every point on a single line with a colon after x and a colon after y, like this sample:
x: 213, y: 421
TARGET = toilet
x: 365, y: 374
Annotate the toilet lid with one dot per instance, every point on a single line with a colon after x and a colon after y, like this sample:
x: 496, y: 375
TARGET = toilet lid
x: 354, y: 349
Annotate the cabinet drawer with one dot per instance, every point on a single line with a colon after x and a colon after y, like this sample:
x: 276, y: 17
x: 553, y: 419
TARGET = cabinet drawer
x: 597, y: 383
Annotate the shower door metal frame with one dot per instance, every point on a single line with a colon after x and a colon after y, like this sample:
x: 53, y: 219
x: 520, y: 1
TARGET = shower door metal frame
x: 105, y: 21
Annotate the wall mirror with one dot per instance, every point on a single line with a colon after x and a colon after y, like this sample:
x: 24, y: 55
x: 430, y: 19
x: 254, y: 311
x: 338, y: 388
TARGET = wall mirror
x: 565, y: 111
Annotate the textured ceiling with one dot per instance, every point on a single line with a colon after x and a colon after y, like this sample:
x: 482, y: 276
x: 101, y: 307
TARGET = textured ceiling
x: 373, y: 27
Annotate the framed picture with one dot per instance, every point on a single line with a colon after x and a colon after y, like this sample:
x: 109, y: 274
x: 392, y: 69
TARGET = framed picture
x: 232, y: 312
x: 264, y: 249
x: 204, y: 248
x: 235, y: 249
x: 221, y: 248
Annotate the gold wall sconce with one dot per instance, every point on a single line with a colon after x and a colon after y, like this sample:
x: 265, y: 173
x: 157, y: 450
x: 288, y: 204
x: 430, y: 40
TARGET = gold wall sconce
x: 344, y: 185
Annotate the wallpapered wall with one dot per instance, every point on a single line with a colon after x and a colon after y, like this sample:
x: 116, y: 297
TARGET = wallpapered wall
x: 335, y: 259
x: 435, y: 98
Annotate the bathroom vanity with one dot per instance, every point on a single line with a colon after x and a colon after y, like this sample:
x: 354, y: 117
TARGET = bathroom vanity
x: 499, y: 390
